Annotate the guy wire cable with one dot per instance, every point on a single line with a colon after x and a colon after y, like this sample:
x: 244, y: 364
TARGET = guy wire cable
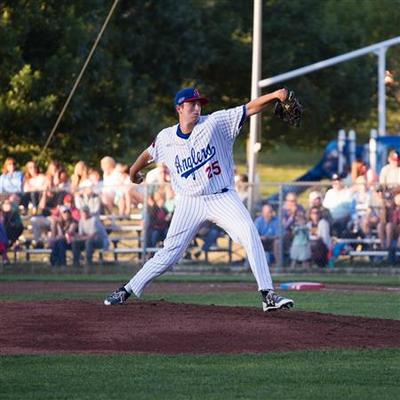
x: 78, y: 79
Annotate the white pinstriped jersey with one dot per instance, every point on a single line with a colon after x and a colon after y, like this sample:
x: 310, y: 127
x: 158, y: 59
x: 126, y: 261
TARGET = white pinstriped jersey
x: 201, y: 163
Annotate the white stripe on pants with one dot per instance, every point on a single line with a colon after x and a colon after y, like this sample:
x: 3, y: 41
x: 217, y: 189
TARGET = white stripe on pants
x: 227, y: 211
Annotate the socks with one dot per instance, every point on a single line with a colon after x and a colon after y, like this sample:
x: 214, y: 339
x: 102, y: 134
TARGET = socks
x: 127, y: 288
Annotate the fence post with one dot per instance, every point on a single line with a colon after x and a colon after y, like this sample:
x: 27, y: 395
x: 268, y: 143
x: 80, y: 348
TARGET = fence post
x: 352, y: 147
x: 281, y: 230
x: 341, y: 143
x: 145, y: 221
x: 373, y: 150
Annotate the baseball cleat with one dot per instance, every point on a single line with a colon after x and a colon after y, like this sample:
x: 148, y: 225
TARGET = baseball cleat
x: 271, y: 301
x: 118, y: 297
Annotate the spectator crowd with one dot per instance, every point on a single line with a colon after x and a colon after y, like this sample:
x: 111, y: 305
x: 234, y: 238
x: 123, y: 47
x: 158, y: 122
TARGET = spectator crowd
x: 64, y: 211
x: 358, y: 205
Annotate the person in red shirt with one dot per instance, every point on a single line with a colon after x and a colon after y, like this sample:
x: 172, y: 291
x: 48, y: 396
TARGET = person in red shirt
x: 158, y: 221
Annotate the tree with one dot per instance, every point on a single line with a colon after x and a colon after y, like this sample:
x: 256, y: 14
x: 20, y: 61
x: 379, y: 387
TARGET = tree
x: 151, y: 49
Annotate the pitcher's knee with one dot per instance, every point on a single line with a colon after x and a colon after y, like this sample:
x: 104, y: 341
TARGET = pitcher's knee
x: 248, y: 233
x: 168, y: 256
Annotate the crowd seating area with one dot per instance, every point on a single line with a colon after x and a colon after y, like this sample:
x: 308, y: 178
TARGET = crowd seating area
x: 356, y: 215
x: 95, y: 215
x: 126, y: 243
x: 43, y: 214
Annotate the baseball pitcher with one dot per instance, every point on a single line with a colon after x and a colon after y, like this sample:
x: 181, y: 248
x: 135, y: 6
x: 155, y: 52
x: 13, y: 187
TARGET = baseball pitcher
x: 198, y: 151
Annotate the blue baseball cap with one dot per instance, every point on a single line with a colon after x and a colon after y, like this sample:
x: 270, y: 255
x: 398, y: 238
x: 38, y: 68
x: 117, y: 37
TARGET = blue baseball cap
x: 189, y: 94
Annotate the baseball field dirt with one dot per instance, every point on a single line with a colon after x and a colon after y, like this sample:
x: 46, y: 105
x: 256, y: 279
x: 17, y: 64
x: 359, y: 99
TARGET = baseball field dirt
x: 87, y: 326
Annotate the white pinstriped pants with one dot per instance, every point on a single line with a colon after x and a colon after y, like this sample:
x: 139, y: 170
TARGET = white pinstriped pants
x: 228, y: 212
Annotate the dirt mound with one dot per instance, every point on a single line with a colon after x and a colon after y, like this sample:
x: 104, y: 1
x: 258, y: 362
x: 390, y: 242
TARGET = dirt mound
x: 163, y: 327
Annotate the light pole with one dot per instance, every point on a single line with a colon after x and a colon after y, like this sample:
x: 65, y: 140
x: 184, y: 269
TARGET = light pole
x: 255, y: 121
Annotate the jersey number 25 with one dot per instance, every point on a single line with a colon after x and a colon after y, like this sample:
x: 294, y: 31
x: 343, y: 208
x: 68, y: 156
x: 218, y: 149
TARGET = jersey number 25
x: 213, y: 169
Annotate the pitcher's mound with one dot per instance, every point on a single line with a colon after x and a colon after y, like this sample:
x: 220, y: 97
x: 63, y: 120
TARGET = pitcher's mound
x: 163, y: 327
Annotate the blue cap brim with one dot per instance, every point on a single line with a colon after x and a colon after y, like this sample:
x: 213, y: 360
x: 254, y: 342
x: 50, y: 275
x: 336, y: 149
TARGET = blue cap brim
x: 202, y: 100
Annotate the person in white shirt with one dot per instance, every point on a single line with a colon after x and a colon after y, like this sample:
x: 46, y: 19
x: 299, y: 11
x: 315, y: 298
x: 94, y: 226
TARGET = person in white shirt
x: 112, y: 179
x: 157, y: 177
x: 338, y: 200
x: 198, y: 151
x: 389, y: 176
x: 34, y: 186
x: 86, y: 196
x: 127, y: 194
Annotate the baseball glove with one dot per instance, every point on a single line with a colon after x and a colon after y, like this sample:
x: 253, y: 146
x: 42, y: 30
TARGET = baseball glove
x: 289, y: 110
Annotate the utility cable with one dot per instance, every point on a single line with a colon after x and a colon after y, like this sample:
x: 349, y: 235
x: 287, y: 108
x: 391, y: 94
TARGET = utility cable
x: 78, y: 79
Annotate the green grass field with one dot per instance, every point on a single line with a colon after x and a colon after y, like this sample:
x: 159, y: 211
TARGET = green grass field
x: 298, y: 375
x: 375, y: 305
x: 331, y: 277
x: 333, y: 374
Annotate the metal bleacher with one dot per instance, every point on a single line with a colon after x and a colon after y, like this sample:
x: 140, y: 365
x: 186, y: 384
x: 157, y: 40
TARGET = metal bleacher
x: 364, y: 247
x: 126, y: 243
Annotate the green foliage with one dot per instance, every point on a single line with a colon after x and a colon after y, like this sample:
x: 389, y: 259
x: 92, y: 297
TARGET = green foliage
x: 338, y: 374
x: 342, y: 96
x: 20, y: 108
x: 151, y: 49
